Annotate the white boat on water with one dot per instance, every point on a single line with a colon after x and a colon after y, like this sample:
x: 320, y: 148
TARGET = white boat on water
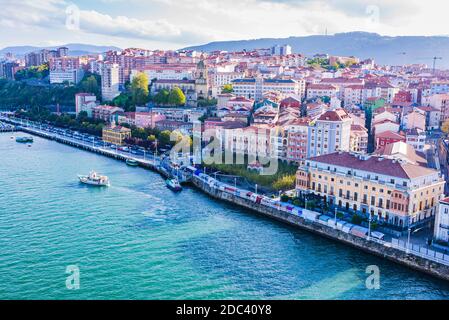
x: 94, y: 179
x: 173, y: 184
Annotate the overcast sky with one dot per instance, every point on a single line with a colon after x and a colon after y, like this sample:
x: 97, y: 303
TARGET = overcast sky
x: 172, y: 24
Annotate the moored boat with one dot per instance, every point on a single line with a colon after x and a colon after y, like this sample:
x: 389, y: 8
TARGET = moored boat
x: 132, y: 162
x: 173, y: 184
x: 94, y: 179
x: 24, y: 139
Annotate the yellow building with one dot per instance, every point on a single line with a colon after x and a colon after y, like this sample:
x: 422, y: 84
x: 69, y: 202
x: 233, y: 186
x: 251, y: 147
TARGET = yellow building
x: 397, y: 192
x: 116, y: 134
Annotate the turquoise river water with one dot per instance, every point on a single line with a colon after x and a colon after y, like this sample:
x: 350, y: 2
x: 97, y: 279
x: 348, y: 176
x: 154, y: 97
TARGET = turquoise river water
x: 138, y: 240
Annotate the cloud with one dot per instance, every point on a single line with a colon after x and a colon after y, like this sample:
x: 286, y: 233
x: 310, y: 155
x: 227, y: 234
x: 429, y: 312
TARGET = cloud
x: 122, y: 26
x: 177, y: 23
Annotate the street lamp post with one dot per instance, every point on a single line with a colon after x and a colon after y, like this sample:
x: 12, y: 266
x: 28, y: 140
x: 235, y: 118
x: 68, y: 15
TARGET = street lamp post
x: 369, y: 227
x: 408, y: 240
x: 335, y: 217
x: 256, y: 188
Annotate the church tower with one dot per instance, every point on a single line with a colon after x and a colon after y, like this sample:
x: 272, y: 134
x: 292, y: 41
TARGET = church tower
x: 201, y: 81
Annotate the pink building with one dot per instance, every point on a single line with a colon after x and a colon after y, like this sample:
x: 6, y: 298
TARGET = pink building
x: 143, y: 119
x: 106, y: 113
x: 297, y: 140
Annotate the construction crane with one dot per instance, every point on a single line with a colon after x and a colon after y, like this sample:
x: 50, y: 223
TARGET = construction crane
x: 435, y: 62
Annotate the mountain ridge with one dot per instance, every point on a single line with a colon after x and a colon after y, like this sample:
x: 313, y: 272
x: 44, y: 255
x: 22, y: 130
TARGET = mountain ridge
x: 76, y: 49
x: 384, y: 49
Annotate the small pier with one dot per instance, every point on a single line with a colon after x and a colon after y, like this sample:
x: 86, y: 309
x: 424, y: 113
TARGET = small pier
x: 7, y: 127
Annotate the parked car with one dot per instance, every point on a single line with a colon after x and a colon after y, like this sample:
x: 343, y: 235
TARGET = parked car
x: 377, y: 235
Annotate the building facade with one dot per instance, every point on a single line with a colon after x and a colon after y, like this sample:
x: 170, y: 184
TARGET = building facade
x: 331, y: 132
x: 110, y: 81
x: 394, y: 192
x: 85, y: 102
x: 116, y: 135
x: 441, y: 233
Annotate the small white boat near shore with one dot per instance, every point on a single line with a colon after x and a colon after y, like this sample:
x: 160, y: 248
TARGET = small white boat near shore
x: 173, y: 184
x: 94, y: 179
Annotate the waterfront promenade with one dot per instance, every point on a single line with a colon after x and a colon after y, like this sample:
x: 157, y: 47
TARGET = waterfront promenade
x: 147, y: 160
x: 430, y: 261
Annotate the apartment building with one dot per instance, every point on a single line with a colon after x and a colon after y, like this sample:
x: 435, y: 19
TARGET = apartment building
x: 66, y: 69
x: 388, y: 137
x: 331, y: 132
x: 441, y: 233
x: 110, y: 81
x: 416, y: 138
x: 393, y: 191
x: 321, y: 90
x: 297, y: 140
x: 85, y: 102
x: 256, y: 140
x: 255, y: 88
x: 106, y: 113
x: 167, y: 71
x: 359, y: 139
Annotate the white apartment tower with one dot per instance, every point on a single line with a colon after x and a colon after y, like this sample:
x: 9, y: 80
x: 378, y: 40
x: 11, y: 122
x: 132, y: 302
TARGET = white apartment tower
x: 331, y: 133
x: 110, y: 77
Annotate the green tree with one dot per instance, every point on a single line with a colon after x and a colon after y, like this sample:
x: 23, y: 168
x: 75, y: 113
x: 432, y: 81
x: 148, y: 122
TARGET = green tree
x: 176, y: 97
x: 227, y: 88
x: 164, y: 138
x: 161, y: 97
x: 90, y: 85
x: 139, y: 89
x: 285, y: 183
x: 123, y: 101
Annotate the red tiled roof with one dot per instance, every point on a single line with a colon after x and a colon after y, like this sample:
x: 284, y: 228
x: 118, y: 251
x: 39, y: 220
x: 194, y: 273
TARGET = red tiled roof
x: 373, y: 164
x: 321, y: 87
x: 357, y: 127
x: 335, y: 115
x: 390, y: 135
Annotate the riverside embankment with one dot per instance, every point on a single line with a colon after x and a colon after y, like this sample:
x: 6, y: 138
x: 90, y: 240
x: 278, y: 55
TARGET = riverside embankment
x: 379, y: 248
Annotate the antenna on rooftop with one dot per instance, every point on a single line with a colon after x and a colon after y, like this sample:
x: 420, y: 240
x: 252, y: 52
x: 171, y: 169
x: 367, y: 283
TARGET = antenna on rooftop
x: 435, y: 63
